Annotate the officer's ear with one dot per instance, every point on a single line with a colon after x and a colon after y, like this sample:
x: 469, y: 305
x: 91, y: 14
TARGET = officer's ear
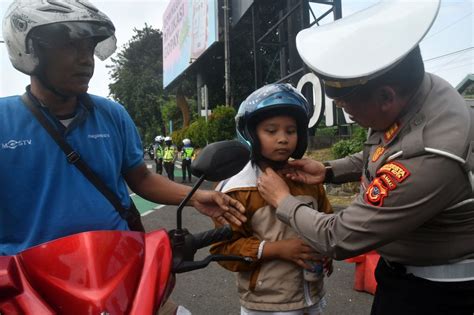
x: 385, y: 96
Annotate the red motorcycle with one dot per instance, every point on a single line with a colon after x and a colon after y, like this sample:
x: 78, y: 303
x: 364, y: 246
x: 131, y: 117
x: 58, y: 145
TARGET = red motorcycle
x: 116, y: 272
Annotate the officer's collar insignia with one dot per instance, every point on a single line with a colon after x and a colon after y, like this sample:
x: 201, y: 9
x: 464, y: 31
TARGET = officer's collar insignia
x: 395, y: 170
x: 376, y: 192
x: 378, y: 153
x: 391, y: 132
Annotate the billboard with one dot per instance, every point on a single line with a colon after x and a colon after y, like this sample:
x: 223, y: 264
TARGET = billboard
x: 189, y: 28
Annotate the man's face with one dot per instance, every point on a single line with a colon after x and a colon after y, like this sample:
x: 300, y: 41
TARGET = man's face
x: 278, y: 137
x: 366, y: 110
x: 69, y: 66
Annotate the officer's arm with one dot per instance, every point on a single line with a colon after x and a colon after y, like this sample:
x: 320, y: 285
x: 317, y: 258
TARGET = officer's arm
x: 425, y: 186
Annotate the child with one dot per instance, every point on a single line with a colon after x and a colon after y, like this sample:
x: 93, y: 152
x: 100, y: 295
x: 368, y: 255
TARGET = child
x: 273, y: 122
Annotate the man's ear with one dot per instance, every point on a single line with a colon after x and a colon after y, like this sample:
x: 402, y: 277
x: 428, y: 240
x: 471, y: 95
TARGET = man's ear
x: 385, y: 97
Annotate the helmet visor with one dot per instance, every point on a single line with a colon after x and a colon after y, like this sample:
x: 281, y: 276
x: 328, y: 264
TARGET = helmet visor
x: 56, y: 35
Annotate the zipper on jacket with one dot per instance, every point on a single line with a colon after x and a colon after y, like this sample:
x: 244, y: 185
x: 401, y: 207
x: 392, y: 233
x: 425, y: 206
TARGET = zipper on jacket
x: 307, y: 293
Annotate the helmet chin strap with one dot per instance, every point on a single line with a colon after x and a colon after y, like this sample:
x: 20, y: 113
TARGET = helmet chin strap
x: 275, y: 165
x: 39, y: 73
x: 46, y: 84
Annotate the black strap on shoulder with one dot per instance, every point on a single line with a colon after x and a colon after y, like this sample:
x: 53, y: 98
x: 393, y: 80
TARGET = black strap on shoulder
x: 72, y: 156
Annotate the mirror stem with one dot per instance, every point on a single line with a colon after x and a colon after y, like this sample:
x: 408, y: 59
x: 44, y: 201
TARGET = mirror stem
x: 185, y: 201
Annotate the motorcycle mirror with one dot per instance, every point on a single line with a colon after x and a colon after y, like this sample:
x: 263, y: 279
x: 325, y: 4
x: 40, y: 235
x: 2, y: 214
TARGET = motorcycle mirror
x: 220, y: 160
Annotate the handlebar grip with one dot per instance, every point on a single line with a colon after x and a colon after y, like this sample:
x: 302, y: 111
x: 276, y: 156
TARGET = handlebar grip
x: 207, y: 238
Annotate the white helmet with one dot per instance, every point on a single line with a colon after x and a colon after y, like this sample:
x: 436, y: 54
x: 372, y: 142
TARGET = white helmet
x: 159, y: 138
x: 168, y: 138
x: 186, y: 141
x: 47, y: 21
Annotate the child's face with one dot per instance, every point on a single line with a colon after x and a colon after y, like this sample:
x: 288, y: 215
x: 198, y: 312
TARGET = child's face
x: 278, y: 137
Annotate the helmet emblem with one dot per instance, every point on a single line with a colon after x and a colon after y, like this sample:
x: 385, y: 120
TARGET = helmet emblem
x: 19, y: 23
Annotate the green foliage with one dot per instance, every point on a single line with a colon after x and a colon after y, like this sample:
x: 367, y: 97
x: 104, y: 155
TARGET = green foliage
x: 137, y: 72
x: 347, y: 147
x: 196, y: 132
x: 221, y: 125
x: 326, y: 131
x: 170, y: 111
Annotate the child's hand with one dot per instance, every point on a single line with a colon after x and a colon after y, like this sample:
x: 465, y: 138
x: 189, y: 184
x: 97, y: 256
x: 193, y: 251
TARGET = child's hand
x: 295, y: 250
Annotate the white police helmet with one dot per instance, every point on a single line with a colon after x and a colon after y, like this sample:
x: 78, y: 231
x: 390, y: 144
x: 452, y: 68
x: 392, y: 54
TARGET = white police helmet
x: 355, y: 49
x: 167, y: 138
x: 27, y: 22
x: 186, y: 141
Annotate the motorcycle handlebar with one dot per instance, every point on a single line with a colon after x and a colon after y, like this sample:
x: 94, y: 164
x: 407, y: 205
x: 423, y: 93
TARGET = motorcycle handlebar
x: 207, y: 238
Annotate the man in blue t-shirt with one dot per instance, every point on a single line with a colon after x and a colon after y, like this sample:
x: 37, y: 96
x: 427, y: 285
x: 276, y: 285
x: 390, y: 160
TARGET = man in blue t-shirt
x: 43, y: 197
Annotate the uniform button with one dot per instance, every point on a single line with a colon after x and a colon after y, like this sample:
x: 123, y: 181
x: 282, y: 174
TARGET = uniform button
x: 418, y: 120
x: 260, y: 283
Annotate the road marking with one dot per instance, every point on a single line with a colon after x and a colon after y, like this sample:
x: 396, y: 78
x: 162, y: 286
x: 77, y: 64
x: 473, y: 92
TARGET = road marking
x: 153, y: 210
x: 147, y: 213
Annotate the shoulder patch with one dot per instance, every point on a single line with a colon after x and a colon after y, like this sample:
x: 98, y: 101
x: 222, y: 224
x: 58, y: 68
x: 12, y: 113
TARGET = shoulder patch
x: 376, y: 192
x: 388, y: 181
x: 396, y: 170
x: 391, y: 132
x: 378, y: 153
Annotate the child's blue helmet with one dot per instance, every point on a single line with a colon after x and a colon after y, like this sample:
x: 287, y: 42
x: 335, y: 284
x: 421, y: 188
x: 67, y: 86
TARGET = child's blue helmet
x: 269, y: 101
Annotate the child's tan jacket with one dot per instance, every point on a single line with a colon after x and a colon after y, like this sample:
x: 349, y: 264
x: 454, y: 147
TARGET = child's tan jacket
x: 274, y: 285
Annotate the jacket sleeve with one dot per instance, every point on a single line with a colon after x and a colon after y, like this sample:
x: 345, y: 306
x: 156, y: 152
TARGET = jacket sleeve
x: 363, y: 226
x: 323, y: 201
x: 348, y: 169
x: 243, y: 243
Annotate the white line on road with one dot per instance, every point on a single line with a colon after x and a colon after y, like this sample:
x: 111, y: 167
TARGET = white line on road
x: 146, y: 213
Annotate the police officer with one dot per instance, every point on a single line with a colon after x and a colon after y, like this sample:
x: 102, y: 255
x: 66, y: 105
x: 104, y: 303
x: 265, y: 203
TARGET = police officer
x: 416, y: 202
x: 159, y: 154
x: 187, y: 154
x: 169, y: 157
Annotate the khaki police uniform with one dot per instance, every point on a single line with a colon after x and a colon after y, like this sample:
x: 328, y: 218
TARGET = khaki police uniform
x: 416, y: 202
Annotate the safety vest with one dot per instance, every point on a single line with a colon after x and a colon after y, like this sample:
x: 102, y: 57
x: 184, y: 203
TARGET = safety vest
x: 188, y: 153
x: 159, y: 152
x: 168, y: 154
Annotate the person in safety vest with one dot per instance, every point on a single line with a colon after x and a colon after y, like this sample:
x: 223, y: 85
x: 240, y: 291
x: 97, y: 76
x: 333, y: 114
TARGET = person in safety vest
x: 54, y: 43
x: 187, y: 155
x: 416, y: 201
x: 159, y: 154
x: 169, y: 157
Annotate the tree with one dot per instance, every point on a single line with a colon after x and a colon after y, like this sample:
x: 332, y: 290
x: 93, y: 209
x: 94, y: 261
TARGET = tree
x: 137, y: 72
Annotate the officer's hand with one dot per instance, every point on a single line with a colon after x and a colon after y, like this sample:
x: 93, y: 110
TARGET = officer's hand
x: 272, y: 187
x: 219, y: 206
x: 306, y: 171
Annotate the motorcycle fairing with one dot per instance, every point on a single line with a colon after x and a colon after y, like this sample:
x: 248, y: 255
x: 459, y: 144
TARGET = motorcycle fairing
x: 88, y: 273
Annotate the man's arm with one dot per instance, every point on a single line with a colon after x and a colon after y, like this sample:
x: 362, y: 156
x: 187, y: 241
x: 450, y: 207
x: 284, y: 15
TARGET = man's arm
x: 159, y: 189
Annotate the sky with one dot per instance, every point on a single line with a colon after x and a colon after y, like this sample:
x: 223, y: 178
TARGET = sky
x: 447, y: 49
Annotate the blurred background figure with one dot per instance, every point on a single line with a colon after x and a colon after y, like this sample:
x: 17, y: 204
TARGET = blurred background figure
x: 169, y: 157
x: 187, y: 155
x: 158, y: 149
